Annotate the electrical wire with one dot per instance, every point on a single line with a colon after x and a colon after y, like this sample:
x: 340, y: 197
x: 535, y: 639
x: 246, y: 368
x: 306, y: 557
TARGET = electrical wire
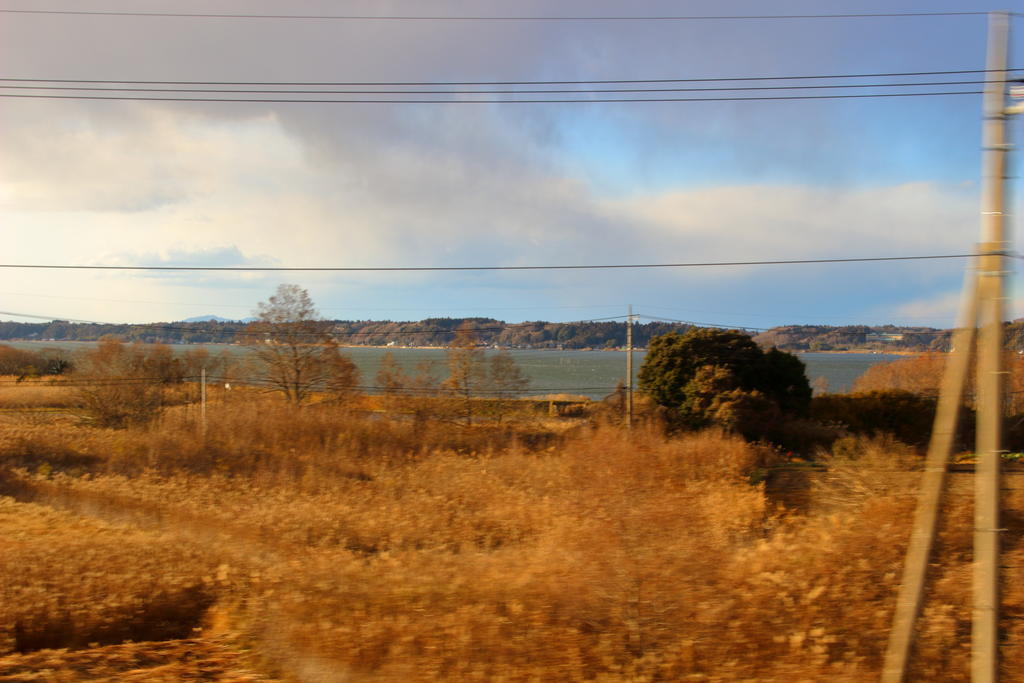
x: 239, y: 330
x: 226, y: 91
x: 597, y: 100
x: 605, y: 18
x: 236, y: 329
x: 892, y: 74
x: 747, y: 314
x: 263, y: 382
x: 391, y: 269
x: 768, y: 329
x: 699, y: 324
x: 51, y: 318
x: 421, y: 309
x: 266, y: 382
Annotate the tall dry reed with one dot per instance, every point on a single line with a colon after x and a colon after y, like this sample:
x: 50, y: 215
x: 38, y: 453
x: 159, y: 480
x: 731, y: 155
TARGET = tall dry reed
x: 391, y: 550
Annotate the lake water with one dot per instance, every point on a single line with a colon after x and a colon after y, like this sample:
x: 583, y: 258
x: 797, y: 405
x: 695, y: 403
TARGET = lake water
x: 588, y: 373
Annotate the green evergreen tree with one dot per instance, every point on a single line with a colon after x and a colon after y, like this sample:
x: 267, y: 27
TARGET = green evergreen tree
x: 711, y: 376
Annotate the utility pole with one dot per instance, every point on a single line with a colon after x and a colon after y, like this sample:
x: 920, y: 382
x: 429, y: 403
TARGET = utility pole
x: 629, y: 367
x: 991, y: 288
x: 984, y: 309
x: 926, y: 514
x: 202, y: 398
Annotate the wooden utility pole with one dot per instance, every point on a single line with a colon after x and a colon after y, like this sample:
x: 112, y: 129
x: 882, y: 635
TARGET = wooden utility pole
x: 983, y: 308
x: 991, y: 287
x: 629, y: 368
x: 202, y: 398
x: 926, y: 515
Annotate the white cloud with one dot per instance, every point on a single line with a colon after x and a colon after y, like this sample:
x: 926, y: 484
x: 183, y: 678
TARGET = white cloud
x: 765, y: 221
x: 944, y: 306
x: 146, y: 159
x: 259, y: 192
x: 307, y: 185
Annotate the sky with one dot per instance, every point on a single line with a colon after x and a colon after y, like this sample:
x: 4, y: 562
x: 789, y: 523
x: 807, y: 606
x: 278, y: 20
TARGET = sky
x: 145, y: 183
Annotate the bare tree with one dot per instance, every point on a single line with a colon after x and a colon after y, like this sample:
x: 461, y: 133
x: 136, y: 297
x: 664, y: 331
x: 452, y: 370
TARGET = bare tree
x: 472, y: 377
x: 295, y: 349
x: 119, y: 385
x: 414, y: 394
x: 467, y: 375
x: 507, y: 381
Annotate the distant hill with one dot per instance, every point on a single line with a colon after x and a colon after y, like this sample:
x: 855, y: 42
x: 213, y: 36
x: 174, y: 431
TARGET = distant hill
x: 855, y: 338
x: 439, y: 332
x: 207, y: 319
x: 436, y: 332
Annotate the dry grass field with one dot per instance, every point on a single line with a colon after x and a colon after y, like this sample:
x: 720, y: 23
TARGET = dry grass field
x: 17, y: 394
x: 323, y: 544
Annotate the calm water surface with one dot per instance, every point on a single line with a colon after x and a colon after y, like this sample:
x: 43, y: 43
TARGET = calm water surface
x: 590, y: 373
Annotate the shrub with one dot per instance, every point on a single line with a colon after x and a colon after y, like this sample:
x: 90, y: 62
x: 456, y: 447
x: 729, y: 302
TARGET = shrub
x: 905, y: 415
x: 30, y: 363
x: 119, y: 385
x: 722, y: 377
x: 917, y: 374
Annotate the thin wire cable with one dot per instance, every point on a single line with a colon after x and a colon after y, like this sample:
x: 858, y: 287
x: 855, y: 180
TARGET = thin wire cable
x: 392, y: 269
x: 68, y: 381
x: 421, y: 309
x: 701, y: 324
x: 497, y: 83
x: 235, y: 330
x: 596, y: 100
x: 225, y: 91
x: 746, y: 314
x: 73, y: 381
x: 252, y: 329
x: 605, y: 18
x: 51, y: 318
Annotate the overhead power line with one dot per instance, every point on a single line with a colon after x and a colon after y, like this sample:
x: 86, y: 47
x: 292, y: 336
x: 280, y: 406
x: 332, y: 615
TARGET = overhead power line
x: 80, y: 382
x: 293, y: 91
x: 370, y: 17
x: 252, y: 329
x: 421, y: 309
x: 421, y: 391
x: 894, y: 74
x: 45, y: 317
x: 700, y: 324
x: 89, y: 382
x: 389, y: 269
x: 599, y: 100
x: 235, y: 329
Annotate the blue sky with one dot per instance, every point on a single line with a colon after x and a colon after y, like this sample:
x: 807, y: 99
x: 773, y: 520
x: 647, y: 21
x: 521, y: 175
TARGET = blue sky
x: 151, y: 183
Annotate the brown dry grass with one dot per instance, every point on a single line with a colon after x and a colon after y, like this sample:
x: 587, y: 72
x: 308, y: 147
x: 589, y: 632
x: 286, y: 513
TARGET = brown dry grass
x: 68, y: 582
x: 170, y: 661
x: 33, y: 393
x: 366, y: 548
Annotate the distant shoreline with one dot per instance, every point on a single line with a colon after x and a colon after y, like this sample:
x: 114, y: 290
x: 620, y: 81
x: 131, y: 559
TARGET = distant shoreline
x: 639, y: 349
x: 871, y: 352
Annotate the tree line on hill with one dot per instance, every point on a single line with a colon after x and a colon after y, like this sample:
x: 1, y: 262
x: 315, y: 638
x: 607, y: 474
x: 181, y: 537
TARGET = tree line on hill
x: 879, y: 338
x: 440, y: 332
x: 702, y: 377
x: 437, y: 332
x: 855, y: 338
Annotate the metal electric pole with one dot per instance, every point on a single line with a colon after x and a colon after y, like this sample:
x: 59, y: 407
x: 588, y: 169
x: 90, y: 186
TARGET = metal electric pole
x: 629, y: 368
x: 991, y: 310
